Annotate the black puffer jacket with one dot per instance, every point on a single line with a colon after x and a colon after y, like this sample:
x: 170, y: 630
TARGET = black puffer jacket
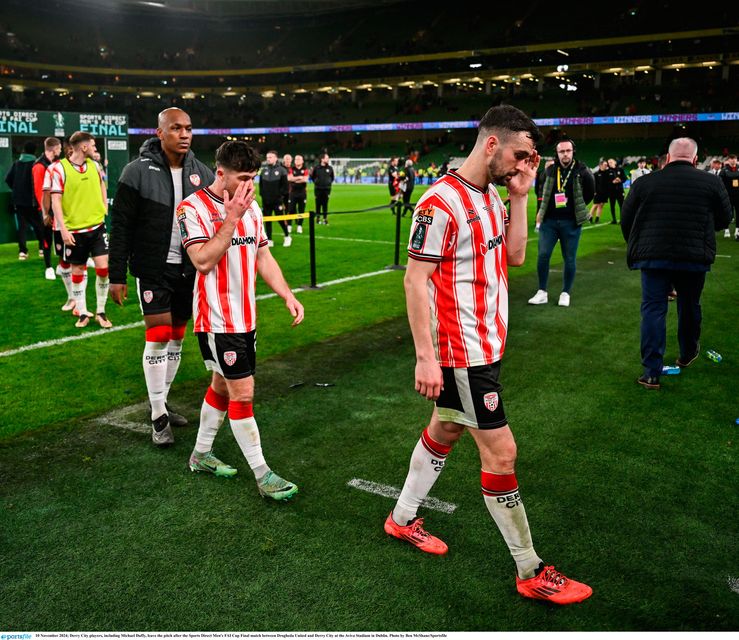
x: 143, y: 212
x: 673, y: 215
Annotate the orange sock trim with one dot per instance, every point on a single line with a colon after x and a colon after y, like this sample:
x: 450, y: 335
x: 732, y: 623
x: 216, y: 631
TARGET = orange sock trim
x: 216, y: 400
x: 240, y: 410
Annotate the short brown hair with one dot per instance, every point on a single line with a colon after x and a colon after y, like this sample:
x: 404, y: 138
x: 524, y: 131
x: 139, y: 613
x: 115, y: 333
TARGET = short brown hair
x: 238, y: 156
x: 78, y: 137
x: 50, y: 143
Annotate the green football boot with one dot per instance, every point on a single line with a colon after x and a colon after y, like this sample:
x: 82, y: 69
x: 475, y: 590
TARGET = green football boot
x: 210, y: 464
x: 270, y: 485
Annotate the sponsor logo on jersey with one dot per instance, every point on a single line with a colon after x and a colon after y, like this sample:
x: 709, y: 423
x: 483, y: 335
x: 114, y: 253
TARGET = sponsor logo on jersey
x: 240, y: 241
x: 154, y: 168
x: 195, y: 180
x: 148, y: 296
x: 229, y: 357
x: 181, y: 215
x: 475, y: 219
x: 491, y: 400
x: 491, y: 244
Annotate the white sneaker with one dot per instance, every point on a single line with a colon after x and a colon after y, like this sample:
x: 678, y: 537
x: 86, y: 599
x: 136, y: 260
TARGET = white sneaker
x: 736, y: 234
x: 727, y: 233
x: 300, y: 228
x: 270, y: 243
x: 564, y: 299
x: 22, y: 255
x: 288, y: 241
x: 540, y: 297
x: 40, y: 253
x: 69, y: 305
x: 49, y: 274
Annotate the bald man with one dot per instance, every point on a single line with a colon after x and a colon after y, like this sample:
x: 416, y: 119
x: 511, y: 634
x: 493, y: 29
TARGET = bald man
x: 669, y: 220
x: 145, y: 239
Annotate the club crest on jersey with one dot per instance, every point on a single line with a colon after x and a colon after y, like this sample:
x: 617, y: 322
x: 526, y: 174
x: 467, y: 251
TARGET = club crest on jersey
x: 148, y: 296
x: 491, y: 400
x: 229, y: 357
x: 195, y: 180
x: 68, y: 252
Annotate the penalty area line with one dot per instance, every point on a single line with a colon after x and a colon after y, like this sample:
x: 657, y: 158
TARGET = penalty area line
x: 101, y: 332
x: 386, y: 491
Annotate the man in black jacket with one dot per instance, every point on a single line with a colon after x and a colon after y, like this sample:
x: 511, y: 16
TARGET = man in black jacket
x: 20, y: 180
x: 323, y: 177
x: 146, y: 238
x: 730, y: 175
x: 274, y: 189
x: 669, y: 221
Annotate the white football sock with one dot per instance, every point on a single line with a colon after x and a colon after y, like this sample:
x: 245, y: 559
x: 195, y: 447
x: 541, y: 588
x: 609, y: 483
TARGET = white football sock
x: 79, y: 291
x: 66, y: 276
x: 504, y: 503
x: 246, y: 432
x: 155, y: 371
x: 427, y: 462
x: 212, y: 414
x: 102, y: 284
x: 174, y: 353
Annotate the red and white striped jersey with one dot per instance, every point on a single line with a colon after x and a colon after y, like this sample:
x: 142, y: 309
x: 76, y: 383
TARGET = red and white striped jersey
x: 46, y: 186
x: 462, y: 228
x: 224, y: 300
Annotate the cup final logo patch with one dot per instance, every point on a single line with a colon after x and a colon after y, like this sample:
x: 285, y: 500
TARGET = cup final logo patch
x: 148, y: 296
x: 195, y: 180
x: 229, y: 357
x: 491, y: 401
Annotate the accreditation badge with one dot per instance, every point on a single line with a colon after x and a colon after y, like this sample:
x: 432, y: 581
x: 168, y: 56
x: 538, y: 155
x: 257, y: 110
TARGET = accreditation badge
x: 560, y: 200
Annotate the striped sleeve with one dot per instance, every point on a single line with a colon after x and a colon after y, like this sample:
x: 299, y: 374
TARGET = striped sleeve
x: 192, y: 229
x: 57, y: 179
x: 430, y: 233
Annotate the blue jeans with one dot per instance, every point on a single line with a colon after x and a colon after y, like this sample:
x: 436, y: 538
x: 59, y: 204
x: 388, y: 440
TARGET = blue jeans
x: 655, y: 285
x: 568, y: 233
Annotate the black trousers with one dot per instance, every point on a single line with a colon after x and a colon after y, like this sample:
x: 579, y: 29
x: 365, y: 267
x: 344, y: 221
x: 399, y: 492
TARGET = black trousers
x: 31, y: 217
x: 322, y: 202
x: 273, y: 209
x: 656, y: 284
x: 613, y: 198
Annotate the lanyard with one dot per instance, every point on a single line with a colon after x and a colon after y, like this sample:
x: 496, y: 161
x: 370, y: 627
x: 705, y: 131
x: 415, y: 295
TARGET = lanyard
x: 561, y: 185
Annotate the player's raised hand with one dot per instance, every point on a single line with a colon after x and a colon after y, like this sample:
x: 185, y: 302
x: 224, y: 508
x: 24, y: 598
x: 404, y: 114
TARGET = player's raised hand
x: 520, y: 184
x: 242, y: 199
x: 429, y: 380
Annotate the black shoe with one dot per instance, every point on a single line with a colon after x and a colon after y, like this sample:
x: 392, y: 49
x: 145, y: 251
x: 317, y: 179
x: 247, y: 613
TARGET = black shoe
x: 175, y: 419
x: 686, y: 362
x: 161, y: 431
x: 648, y: 382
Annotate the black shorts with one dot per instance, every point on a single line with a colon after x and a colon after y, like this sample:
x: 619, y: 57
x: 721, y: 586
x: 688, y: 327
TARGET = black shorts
x: 297, y: 205
x: 172, y: 294
x: 88, y: 244
x: 232, y: 355
x: 59, y: 244
x: 471, y: 397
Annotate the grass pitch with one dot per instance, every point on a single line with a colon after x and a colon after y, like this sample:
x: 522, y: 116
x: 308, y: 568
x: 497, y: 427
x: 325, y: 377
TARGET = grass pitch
x: 631, y: 491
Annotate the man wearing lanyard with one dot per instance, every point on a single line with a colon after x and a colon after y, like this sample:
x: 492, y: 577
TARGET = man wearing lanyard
x: 569, y: 187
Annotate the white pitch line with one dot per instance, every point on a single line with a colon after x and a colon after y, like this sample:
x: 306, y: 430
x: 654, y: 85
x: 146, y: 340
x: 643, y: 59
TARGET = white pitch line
x: 58, y: 341
x: 721, y: 255
x: 118, y: 418
x: 132, y: 325
x: 386, y: 491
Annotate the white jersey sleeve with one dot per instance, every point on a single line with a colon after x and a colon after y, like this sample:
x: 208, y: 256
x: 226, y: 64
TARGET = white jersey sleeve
x: 433, y: 233
x: 192, y: 229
